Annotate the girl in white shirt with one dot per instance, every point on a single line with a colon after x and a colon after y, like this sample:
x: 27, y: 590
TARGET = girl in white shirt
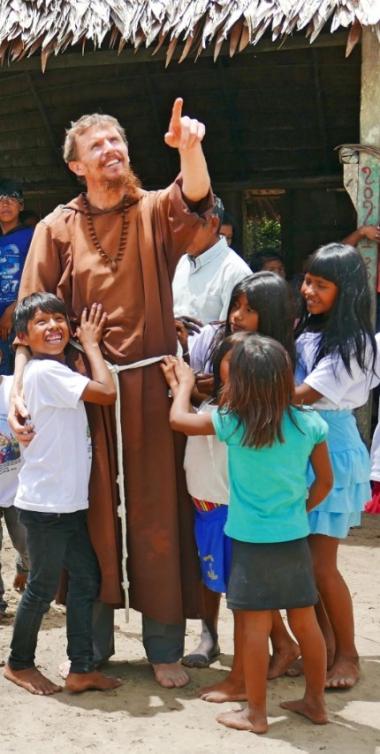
x: 336, y: 352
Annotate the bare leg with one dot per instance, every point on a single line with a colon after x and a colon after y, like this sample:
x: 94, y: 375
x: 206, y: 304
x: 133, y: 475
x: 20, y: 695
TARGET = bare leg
x: 232, y: 689
x: 208, y: 647
x: 304, y: 625
x: 344, y: 672
x: 285, y: 649
x: 31, y: 680
x: 296, y: 668
x: 78, y: 682
x: 256, y: 629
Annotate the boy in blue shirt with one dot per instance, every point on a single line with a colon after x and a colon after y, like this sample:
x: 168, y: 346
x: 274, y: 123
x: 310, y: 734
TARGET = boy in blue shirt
x: 52, y: 492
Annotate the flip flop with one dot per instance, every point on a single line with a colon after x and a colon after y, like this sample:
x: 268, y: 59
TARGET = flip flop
x: 197, y: 660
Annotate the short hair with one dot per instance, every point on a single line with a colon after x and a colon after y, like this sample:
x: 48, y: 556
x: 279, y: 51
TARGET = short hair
x: 259, y: 259
x: 27, y: 307
x: 80, y: 126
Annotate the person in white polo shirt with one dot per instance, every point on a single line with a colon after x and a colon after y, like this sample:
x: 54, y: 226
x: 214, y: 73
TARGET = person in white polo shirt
x: 204, y: 280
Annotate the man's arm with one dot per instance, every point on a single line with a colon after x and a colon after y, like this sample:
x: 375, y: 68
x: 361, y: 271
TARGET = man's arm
x: 186, y: 135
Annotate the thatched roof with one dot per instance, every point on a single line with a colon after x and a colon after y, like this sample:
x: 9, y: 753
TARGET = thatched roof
x: 53, y: 26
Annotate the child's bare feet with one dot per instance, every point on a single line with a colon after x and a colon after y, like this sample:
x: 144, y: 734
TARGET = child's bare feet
x: 19, y: 581
x: 31, y: 680
x: 229, y: 690
x: 343, y: 674
x: 170, y: 675
x: 314, y: 710
x: 243, y: 720
x: 94, y: 681
x: 282, y: 660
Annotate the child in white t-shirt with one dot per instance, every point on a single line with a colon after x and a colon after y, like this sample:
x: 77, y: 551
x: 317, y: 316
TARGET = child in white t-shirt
x: 10, y: 461
x: 52, y: 492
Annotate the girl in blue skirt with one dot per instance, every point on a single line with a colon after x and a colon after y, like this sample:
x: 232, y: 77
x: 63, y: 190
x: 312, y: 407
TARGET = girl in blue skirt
x: 336, y: 352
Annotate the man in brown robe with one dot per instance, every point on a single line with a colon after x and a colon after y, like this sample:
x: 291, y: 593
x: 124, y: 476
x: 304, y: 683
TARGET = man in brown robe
x: 118, y: 245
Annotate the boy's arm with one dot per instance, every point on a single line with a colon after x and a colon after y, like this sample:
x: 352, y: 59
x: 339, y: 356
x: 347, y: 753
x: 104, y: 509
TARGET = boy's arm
x: 324, y: 478
x: 371, y: 232
x: 18, y: 412
x: 100, y: 389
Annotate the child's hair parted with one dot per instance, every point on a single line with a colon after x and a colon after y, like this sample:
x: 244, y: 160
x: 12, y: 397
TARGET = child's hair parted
x: 260, y: 387
x: 346, y: 330
x: 28, y: 306
x: 268, y: 295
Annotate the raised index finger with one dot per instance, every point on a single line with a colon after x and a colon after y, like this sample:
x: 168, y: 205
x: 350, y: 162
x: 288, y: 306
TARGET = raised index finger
x: 176, y: 116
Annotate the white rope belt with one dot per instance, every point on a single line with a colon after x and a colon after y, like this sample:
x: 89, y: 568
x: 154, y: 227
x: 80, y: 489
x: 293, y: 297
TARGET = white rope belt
x: 120, y: 479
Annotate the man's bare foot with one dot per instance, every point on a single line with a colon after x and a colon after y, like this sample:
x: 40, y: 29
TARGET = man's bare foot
x: 31, y: 680
x: 19, y: 581
x: 229, y: 690
x: 243, y: 720
x: 94, y: 681
x: 343, y: 674
x: 282, y: 659
x: 170, y: 675
x: 314, y: 711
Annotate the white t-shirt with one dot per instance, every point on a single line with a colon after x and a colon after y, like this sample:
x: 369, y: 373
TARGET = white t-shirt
x: 205, y: 465
x: 55, y: 474
x: 202, y: 285
x: 10, y: 456
x: 330, y: 377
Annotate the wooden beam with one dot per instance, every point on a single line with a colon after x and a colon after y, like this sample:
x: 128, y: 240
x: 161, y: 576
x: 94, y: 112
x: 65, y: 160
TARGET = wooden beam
x: 128, y: 55
x: 320, y: 109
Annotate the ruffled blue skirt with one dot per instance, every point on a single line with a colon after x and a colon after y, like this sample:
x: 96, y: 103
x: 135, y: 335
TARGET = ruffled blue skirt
x: 351, y: 466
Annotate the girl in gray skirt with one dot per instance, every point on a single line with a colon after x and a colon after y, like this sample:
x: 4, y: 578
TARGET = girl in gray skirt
x: 269, y: 444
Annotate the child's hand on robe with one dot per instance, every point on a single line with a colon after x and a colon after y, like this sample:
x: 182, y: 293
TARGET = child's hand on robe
x: 90, y: 330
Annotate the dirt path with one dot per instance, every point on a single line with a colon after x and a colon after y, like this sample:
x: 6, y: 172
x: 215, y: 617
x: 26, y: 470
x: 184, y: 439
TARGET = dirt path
x: 141, y: 717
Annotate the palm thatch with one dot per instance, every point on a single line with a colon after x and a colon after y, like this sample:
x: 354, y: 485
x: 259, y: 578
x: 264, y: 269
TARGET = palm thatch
x: 51, y: 27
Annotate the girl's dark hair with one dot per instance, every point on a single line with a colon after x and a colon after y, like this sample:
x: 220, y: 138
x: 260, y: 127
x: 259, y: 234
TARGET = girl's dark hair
x: 346, y: 330
x: 27, y: 307
x: 269, y: 296
x: 260, y: 387
x: 259, y: 259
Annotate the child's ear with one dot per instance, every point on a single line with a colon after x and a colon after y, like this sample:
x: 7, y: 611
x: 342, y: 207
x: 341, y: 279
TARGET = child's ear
x: 23, y: 339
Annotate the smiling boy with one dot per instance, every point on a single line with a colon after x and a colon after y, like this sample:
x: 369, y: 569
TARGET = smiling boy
x: 52, y: 493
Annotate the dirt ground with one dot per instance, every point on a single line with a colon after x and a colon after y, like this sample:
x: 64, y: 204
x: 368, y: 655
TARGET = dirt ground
x: 142, y: 717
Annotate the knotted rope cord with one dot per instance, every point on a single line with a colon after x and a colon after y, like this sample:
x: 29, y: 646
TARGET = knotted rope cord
x: 120, y: 479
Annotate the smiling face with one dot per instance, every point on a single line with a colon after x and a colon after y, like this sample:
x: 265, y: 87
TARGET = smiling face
x: 242, y: 316
x: 320, y: 294
x: 48, y: 335
x: 101, y: 156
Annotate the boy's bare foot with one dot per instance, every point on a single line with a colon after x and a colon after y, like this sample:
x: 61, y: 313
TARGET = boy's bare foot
x: 170, y: 675
x: 314, y: 711
x: 229, y: 690
x: 94, y: 681
x: 64, y: 669
x: 242, y: 720
x: 282, y: 660
x: 19, y: 581
x: 31, y: 680
x: 343, y: 674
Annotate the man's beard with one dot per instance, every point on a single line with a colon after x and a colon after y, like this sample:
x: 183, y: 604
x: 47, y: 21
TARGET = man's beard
x: 129, y: 182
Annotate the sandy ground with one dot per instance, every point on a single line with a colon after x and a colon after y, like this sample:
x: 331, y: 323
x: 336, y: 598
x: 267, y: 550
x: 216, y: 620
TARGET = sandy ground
x: 142, y: 717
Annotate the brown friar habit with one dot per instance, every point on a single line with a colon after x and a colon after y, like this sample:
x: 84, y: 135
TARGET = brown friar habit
x: 137, y: 297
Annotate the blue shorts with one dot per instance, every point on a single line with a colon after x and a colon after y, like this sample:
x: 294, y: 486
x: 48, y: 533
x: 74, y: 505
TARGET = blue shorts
x: 214, y: 547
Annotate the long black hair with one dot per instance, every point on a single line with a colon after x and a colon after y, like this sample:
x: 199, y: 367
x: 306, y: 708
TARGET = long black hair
x: 269, y: 296
x: 346, y: 330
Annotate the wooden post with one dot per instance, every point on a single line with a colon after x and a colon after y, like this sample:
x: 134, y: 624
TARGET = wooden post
x: 369, y: 173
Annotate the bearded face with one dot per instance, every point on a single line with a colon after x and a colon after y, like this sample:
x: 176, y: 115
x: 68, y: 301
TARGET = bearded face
x: 102, y: 161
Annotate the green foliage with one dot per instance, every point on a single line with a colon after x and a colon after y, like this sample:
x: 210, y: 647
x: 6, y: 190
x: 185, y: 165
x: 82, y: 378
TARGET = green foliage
x: 261, y: 234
